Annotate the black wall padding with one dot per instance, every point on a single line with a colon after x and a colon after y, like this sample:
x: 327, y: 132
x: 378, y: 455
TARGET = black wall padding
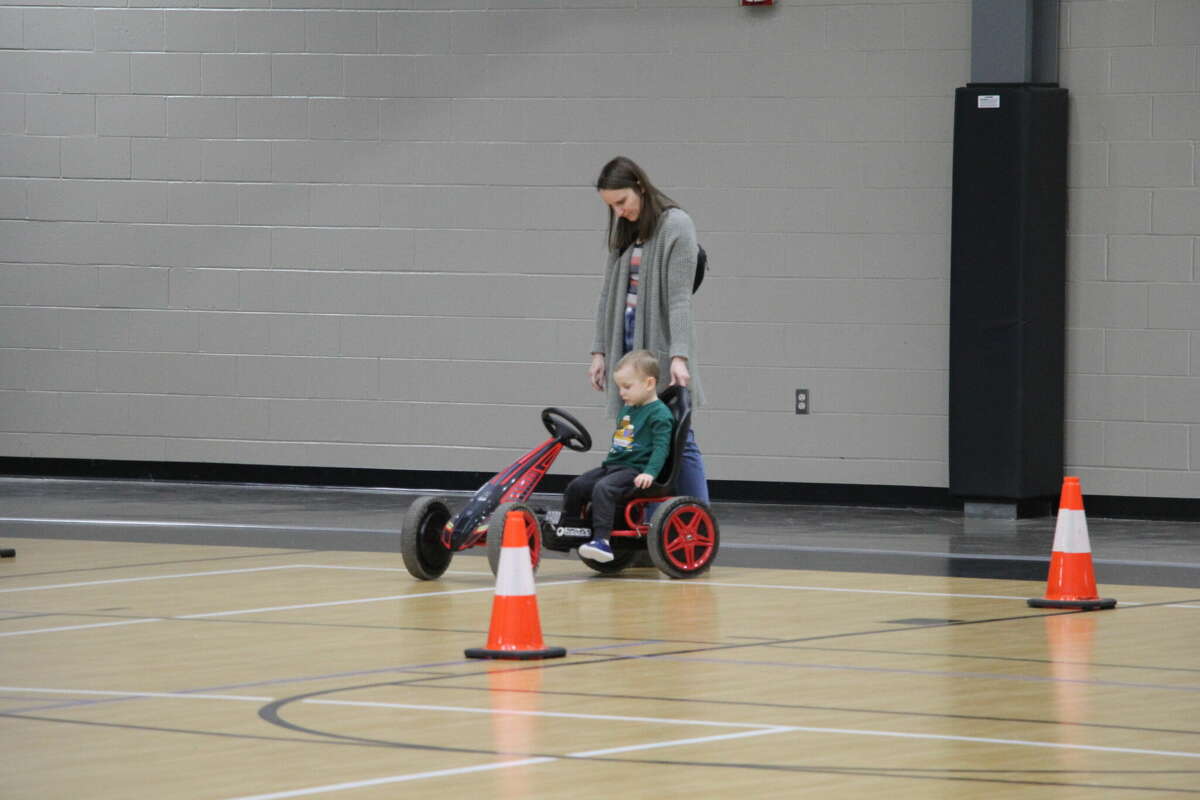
x: 1007, y: 292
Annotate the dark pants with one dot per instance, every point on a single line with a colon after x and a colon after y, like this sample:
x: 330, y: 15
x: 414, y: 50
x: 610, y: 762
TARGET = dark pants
x: 604, y: 487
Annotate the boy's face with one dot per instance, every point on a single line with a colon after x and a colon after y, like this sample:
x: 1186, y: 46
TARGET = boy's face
x: 635, y: 388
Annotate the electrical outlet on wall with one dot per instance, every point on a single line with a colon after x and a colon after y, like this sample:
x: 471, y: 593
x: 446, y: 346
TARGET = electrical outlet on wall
x: 802, y: 401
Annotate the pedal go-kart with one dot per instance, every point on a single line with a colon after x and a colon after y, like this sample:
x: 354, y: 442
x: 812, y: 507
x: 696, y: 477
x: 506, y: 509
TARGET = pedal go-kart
x: 681, y: 535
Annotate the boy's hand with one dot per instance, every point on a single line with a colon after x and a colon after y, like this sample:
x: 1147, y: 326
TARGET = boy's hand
x: 643, y: 481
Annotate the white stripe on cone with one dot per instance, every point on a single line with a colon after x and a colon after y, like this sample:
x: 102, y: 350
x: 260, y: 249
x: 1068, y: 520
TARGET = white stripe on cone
x: 511, y: 579
x: 1070, y: 532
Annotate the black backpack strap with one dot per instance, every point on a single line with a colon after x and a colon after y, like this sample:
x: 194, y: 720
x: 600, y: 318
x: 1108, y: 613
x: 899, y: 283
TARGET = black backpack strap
x: 701, y: 268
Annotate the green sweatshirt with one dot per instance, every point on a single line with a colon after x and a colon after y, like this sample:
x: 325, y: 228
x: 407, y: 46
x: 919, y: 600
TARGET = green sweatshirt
x: 642, y: 439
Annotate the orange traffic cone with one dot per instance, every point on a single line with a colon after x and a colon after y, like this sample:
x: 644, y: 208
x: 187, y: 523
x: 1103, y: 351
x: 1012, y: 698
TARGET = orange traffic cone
x: 1071, y: 583
x: 515, y: 631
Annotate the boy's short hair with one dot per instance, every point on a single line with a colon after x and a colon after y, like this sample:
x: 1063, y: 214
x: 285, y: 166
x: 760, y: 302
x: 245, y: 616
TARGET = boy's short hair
x: 642, y: 362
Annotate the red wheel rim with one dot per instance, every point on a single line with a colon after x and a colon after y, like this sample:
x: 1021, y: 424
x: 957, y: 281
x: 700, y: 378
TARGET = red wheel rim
x: 688, y: 538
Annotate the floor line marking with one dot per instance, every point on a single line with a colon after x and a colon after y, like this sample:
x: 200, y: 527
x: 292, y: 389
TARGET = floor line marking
x: 510, y: 764
x: 829, y: 589
x: 182, y: 695
x: 989, y: 740
x: 83, y: 627
x: 414, y: 776
x: 993, y: 676
x: 812, y: 548
x: 527, y: 713
x: 150, y: 578
x: 215, y: 572
x: 803, y: 588
x: 353, y: 602
x: 236, y: 612
x: 364, y: 569
x: 678, y: 742
x: 162, y: 523
x: 388, y: 569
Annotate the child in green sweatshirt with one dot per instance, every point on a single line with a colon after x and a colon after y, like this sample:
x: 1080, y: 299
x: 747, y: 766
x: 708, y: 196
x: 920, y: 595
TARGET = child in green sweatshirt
x: 639, y: 449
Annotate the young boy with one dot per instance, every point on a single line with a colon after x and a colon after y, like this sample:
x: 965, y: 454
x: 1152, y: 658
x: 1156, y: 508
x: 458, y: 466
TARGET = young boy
x: 640, y: 446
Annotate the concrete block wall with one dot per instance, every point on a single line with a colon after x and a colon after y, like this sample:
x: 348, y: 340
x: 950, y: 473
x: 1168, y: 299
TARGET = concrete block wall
x: 362, y: 233
x: 1133, y: 388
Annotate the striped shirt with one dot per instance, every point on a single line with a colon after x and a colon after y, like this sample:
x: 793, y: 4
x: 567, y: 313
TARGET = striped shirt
x: 631, y: 294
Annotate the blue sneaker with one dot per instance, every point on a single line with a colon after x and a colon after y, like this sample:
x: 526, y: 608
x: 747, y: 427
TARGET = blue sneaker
x: 597, y: 550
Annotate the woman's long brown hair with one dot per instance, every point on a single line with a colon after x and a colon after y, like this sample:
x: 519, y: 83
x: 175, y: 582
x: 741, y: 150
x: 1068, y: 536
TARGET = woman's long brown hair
x: 624, y: 173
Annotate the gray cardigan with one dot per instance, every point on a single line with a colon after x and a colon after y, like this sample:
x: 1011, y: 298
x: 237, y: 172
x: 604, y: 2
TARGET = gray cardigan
x: 664, y: 315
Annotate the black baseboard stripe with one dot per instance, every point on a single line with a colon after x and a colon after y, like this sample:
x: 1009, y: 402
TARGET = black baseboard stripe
x: 841, y: 494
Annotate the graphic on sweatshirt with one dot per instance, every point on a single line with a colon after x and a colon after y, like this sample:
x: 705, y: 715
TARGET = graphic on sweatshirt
x: 623, y: 435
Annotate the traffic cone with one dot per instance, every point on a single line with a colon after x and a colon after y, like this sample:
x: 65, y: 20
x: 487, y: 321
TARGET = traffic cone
x: 515, y: 630
x: 1071, y: 582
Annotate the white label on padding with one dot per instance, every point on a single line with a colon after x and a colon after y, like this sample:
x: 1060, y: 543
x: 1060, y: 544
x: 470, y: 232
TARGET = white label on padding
x: 989, y: 101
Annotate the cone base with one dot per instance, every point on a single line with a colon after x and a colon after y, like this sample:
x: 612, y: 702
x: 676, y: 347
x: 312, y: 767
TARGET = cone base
x: 1084, y: 604
x: 516, y: 655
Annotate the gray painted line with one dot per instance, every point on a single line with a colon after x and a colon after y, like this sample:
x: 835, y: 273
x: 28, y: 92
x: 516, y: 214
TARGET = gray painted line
x: 147, y: 523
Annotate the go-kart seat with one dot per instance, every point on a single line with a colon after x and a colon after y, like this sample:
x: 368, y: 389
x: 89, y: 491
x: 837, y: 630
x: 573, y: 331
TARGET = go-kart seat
x: 679, y: 400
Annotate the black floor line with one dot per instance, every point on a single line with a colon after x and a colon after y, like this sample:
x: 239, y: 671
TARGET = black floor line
x: 1098, y: 664
x: 965, y: 775
x: 270, y: 714
x: 160, y: 729
x: 796, y: 707
x: 556, y: 665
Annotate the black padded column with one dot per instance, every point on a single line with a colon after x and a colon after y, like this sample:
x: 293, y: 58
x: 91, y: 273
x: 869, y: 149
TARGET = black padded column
x: 1007, y: 293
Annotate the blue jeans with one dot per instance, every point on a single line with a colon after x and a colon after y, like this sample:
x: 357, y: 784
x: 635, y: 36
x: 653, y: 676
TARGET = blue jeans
x: 692, y: 480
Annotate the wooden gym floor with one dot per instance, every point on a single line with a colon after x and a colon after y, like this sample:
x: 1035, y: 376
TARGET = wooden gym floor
x: 167, y: 670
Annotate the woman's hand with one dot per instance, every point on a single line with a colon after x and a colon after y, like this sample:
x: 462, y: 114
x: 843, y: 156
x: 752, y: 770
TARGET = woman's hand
x: 596, y: 372
x: 679, y: 372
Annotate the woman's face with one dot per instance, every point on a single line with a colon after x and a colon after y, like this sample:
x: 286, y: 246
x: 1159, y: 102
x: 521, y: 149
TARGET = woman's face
x: 625, y: 203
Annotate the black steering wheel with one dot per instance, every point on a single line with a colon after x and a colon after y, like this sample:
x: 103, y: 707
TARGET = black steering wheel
x: 567, y: 429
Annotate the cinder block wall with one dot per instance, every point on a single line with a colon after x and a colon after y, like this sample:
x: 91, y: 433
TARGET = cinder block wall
x: 365, y: 236
x: 1133, y: 388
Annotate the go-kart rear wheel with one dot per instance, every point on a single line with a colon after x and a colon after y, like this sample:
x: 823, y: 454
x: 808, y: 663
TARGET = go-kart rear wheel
x: 421, y: 539
x: 621, y: 560
x: 495, y: 534
x: 683, y: 537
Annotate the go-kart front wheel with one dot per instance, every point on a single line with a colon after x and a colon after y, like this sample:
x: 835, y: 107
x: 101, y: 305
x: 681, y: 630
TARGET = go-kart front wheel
x: 495, y: 534
x: 683, y: 537
x: 425, y: 556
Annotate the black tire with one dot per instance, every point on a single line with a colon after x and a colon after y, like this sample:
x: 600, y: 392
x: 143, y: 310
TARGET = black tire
x: 495, y: 534
x: 421, y: 539
x: 621, y: 560
x: 683, y: 538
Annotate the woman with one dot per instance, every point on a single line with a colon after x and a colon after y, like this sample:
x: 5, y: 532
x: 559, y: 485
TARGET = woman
x: 646, y: 301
